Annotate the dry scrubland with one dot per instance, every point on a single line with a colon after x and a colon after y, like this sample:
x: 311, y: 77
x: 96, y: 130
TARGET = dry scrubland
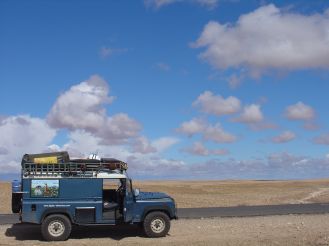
x: 190, y: 194
x: 222, y: 193
x: 286, y: 230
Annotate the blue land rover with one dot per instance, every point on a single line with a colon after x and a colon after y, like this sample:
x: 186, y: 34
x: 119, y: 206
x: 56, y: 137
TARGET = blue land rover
x: 56, y: 192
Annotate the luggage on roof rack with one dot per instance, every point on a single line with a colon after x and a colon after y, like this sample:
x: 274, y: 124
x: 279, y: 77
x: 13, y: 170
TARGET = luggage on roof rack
x: 59, y: 163
x: 104, y: 163
x: 46, y: 158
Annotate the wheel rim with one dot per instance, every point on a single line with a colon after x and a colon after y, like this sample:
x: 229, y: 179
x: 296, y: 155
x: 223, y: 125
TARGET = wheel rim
x: 56, y: 228
x: 158, y: 225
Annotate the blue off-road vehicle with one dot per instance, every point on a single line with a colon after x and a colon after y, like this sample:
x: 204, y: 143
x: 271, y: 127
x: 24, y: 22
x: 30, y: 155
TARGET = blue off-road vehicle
x: 56, y: 192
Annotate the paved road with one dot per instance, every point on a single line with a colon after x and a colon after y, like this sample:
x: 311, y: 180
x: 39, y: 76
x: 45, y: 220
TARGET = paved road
x: 245, y: 211
x: 240, y: 211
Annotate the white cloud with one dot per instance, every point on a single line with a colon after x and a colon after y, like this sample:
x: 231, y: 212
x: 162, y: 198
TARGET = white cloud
x: 254, y: 118
x: 322, y: 139
x: 141, y: 164
x: 192, y: 127
x: 216, y: 104
x: 284, y: 137
x: 21, y: 129
x: 157, y: 4
x: 268, y: 39
x: 142, y: 145
x: 19, y: 135
x: 300, y: 111
x: 83, y: 107
x: 118, y: 129
x: 217, y: 134
x: 209, y: 132
x: 199, y: 149
x: 164, y: 143
x: 251, y: 114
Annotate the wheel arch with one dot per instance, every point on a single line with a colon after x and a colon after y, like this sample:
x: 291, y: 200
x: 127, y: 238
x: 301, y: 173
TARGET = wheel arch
x: 151, y: 209
x: 53, y: 211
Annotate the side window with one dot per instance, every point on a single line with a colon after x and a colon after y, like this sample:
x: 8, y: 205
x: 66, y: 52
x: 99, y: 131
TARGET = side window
x: 44, y: 188
x: 111, y: 184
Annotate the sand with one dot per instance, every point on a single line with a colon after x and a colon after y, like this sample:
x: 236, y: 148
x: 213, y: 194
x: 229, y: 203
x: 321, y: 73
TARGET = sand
x: 287, y: 230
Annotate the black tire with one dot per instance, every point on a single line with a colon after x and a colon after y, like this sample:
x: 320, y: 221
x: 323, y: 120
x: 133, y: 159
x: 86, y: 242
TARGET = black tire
x: 156, y: 224
x: 56, y: 227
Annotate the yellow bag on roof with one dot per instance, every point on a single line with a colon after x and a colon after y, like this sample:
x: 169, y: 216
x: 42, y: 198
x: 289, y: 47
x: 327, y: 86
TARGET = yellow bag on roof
x: 45, y: 160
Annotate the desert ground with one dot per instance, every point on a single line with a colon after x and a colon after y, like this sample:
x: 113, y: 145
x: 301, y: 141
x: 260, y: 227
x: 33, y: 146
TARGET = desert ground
x: 271, y: 230
x: 222, y: 193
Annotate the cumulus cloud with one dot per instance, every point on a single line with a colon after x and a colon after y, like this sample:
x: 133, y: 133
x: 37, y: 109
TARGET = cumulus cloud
x: 143, y: 163
x: 143, y: 145
x: 83, y: 107
x: 217, y: 134
x: 163, y: 143
x: 284, y: 137
x: 199, y: 149
x: 208, y: 131
x: 192, y: 127
x: 118, y: 129
x: 267, y: 39
x: 19, y: 135
x: 216, y: 104
x: 322, y: 139
x: 157, y: 4
x: 19, y: 130
x: 300, y: 111
x: 251, y: 114
x: 274, y: 166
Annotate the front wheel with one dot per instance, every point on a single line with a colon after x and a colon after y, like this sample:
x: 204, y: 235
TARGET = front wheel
x: 156, y: 224
x: 56, y: 227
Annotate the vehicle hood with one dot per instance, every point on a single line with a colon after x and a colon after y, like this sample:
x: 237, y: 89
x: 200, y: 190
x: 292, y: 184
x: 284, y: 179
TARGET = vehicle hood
x: 152, y: 195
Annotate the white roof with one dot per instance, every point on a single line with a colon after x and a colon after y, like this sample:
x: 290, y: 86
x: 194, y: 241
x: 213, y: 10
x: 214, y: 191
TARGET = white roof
x: 97, y: 175
x: 105, y: 175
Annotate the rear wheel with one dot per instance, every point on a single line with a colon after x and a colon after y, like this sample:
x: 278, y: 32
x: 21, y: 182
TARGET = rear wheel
x: 56, y: 227
x: 156, y: 224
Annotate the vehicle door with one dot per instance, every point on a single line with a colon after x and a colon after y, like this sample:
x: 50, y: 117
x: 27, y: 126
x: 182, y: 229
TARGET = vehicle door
x: 128, y: 202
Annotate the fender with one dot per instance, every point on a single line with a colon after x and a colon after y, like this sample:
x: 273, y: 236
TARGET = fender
x: 161, y: 208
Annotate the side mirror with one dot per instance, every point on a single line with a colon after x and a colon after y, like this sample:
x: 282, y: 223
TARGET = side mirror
x: 136, y: 192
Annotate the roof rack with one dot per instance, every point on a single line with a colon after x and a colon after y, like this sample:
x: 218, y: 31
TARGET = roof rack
x: 58, y: 165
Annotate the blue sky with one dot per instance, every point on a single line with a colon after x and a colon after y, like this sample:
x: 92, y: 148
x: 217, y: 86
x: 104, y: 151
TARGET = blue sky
x: 201, y: 89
